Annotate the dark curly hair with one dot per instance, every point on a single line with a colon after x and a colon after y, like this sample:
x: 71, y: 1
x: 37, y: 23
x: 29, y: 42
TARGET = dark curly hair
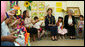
x: 81, y: 16
x: 35, y: 17
x: 60, y: 18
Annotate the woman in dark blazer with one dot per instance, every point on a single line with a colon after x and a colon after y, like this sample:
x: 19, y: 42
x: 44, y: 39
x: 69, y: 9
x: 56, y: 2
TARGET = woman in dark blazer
x: 50, y: 24
x: 69, y: 24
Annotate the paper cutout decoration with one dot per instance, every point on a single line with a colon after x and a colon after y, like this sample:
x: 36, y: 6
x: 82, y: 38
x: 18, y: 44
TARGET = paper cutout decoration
x: 58, y: 9
x: 18, y: 12
x: 58, y: 4
x: 26, y: 4
x: 12, y: 3
x: 30, y: 1
x: 29, y: 7
x: 16, y: 7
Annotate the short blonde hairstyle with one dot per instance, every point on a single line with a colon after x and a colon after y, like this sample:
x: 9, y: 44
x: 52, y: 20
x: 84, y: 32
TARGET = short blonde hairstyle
x: 70, y: 11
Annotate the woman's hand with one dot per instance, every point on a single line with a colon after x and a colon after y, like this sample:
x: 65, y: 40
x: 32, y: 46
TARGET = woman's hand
x: 71, y: 24
x: 49, y: 24
x: 10, y: 37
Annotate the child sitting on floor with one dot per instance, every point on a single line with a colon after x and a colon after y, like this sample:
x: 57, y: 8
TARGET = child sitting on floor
x: 37, y: 26
x: 61, y: 31
x: 81, y: 26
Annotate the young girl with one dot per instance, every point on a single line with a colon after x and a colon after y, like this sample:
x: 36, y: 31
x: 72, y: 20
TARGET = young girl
x: 61, y: 31
x: 81, y: 26
x: 29, y: 24
x: 37, y: 26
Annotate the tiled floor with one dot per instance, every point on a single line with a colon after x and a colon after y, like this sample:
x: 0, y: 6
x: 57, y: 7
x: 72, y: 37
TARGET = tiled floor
x: 61, y: 42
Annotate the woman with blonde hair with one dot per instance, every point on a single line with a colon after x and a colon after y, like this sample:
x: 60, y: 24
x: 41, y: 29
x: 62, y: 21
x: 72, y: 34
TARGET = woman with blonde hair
x: 69, y: 24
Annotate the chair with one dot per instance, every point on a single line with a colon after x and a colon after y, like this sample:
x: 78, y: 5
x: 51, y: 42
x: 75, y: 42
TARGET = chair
x: 46, y: 33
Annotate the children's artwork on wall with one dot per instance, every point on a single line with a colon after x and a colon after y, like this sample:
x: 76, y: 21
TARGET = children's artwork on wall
x: 34, y: 6
x: 41, y: 14
x: 33, y: 14
x: 38, y: 9
x: 58, y: 4
x: 12, y: 3
x: 41, y: 6
x: 76, y: 11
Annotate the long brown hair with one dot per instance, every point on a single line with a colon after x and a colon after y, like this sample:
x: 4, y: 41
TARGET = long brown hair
x: 24, y: 14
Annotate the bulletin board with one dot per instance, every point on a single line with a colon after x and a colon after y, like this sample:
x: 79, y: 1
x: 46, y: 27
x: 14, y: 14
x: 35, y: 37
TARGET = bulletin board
x: 38, y: 9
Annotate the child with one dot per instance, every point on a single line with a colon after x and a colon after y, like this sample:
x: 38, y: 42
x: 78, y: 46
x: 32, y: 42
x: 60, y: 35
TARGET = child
x: 29, y: 24
x: 61, y: 30
x: 37, y: 26
x: 81, y: 26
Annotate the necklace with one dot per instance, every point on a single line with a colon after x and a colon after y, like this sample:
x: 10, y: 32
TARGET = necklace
x: 49, y: 20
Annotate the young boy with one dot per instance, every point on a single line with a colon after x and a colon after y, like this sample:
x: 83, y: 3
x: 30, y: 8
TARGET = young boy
x: 37, y: 25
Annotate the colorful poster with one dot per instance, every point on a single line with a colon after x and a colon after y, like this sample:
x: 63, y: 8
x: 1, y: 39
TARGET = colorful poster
x: 58, y: 9
x: 58, y: 4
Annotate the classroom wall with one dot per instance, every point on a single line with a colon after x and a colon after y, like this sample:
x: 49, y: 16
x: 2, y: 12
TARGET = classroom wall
x: 65, y: 4
x: 79, y: 4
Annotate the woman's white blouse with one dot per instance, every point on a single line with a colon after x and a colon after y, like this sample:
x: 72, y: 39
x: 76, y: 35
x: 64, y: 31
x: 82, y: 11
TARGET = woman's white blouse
x: 70, y: 21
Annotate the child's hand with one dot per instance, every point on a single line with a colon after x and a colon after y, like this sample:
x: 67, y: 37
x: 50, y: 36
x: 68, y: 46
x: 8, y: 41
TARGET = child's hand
x: 61, y: 27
